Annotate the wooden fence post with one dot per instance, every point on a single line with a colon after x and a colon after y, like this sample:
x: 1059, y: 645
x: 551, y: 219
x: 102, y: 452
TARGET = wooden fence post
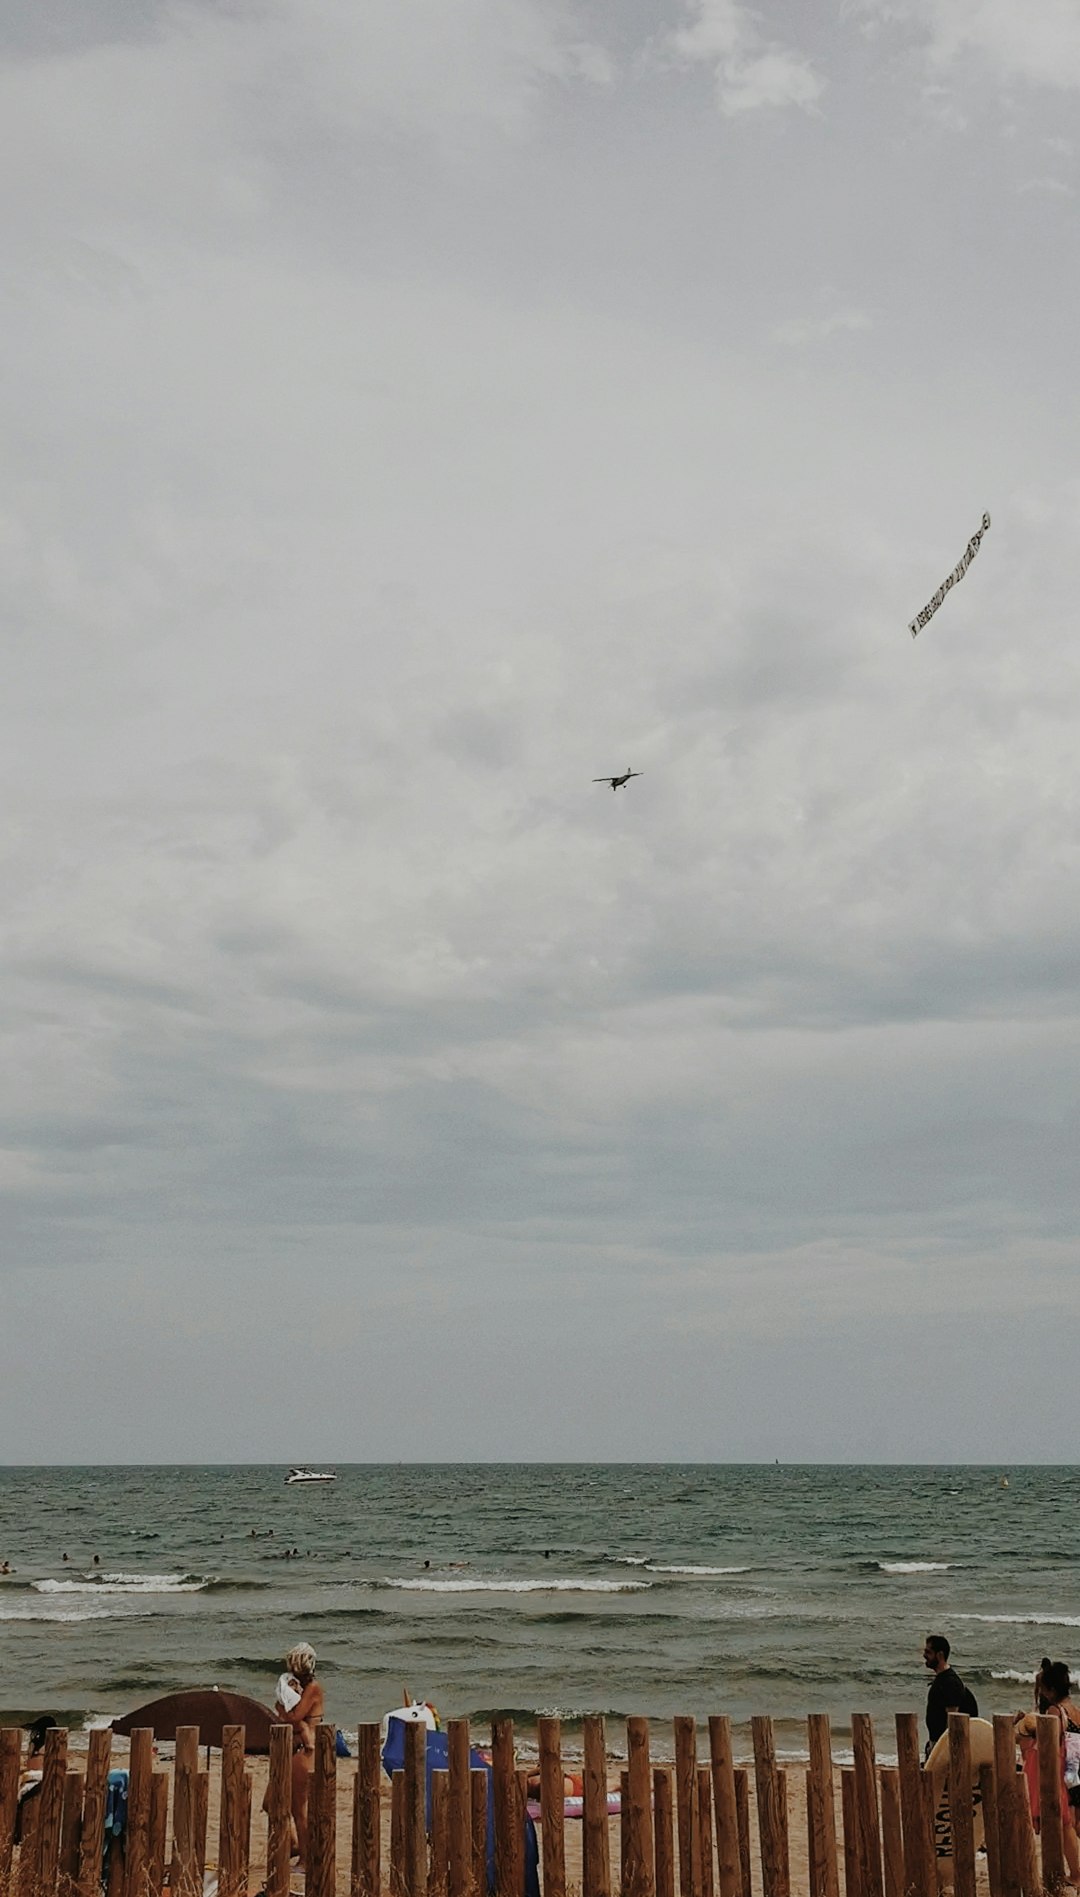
x: 685, y: 1800
x: 71, y: 1834
x: 961, y: 1815
x: 509, y: 1831
x: 596, y: 1880
x: 663, y: 1833
x: 849, y: 1813
x: 624, y: 1832
x: 1009, y: 1787
x: 639, y: 1871
x: 137, y: 1834
x: 202, y: 1816
x: 727, y: 1818
x: 439, y: 1865
x: 397, y: 1835
x: 930, y: 1824
x: 415, y: 1809
x: 51, y: 1811
x: 920, y: 1875
x: 478, y: 1785
x: 1051, y: 1838
x: 821, y: 1809
x: 184, y: 1878
x: 321, y: 1867
x: 703, y: 1811
x: 991, y: 1828
x: 232, y: 1855
x: 866, y: 1804
x: 742, y: 1812
x: 459, y: 1816
x: 10, y: 1768
x: 892, y: 1831
x: 772, y: 1812
x: 1030, y: 1872
x: 552, y: 1814
x: 159, y: 1827
x: 27, y: 1878
x: 367, y: 1816
x: 278, y: 1810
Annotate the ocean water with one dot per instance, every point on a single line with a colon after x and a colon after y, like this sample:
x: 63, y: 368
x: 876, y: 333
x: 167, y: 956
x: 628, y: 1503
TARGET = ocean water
x: 525, y: 1589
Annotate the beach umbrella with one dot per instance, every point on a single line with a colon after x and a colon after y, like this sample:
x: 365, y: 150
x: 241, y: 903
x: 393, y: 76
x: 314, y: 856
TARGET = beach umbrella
x: 208, y: 1709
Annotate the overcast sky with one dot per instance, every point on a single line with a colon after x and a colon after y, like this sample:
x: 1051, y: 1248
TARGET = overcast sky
x: 411, y: 411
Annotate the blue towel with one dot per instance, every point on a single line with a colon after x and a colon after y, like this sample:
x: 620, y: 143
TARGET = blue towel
x: 116, y: 1795
x: 393, y: 1758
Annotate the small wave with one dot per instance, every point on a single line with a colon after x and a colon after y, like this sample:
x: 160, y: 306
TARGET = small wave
x: 1024, y: 1620
x: 656, y: 1567
x: 913, y: 1567
x: 478, y: 1586
x: 632, y: 1560
x: 1013, y: 1673
x: 127, y: 1584
x: 57, y: 1614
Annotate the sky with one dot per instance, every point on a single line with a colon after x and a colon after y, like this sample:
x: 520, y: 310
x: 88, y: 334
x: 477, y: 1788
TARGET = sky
x: 410, y: 413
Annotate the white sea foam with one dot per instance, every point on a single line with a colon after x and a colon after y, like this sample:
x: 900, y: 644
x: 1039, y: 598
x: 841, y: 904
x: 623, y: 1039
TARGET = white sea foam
x: 126, y: 1584
x: 479, y: 1586
x: 1025, y: 1620
x: 56, y: 1613
x: 914, y: 1567
x: 656, y: 1567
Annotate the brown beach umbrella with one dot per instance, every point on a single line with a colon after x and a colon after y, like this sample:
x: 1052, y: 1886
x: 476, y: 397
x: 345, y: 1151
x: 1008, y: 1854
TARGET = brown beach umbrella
x: 208, y: 1709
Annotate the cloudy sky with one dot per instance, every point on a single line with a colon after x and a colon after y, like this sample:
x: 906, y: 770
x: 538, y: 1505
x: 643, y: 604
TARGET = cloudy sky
x: 409, y: 413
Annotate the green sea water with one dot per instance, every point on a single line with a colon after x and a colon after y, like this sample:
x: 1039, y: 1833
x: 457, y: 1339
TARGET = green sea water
x: 525, y: 1589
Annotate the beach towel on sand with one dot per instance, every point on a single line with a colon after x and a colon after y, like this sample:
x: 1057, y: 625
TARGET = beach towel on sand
x: 438, y: 1759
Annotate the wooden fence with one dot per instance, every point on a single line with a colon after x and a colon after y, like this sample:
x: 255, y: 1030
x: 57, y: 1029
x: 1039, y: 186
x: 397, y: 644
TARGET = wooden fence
x: 704, y: 1826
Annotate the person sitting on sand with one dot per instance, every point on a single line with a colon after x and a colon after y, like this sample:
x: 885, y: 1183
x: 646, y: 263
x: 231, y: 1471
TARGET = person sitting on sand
x: 303, y: 1716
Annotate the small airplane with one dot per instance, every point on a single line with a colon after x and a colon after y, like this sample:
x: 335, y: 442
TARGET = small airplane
x: 618, y: 782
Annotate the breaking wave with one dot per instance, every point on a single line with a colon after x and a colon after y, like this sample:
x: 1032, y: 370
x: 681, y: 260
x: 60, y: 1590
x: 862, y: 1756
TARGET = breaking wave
x: 127, y: 1584
x: 913, y: 1567
x: 479, y: 1586
x: 657, y: 1567
x: 1024, y: 1620
x: 57, y: 1614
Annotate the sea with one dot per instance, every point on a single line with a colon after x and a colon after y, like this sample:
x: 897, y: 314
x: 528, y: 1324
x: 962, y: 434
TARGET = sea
x: 526, y: 1589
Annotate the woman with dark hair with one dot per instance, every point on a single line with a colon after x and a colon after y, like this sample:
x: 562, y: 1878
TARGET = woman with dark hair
x: 1052, y: 1690
x: 33, y: 1764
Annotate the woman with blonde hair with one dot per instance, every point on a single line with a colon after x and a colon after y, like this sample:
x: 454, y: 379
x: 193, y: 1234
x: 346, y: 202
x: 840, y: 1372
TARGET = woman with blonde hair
x: 303, y: 1715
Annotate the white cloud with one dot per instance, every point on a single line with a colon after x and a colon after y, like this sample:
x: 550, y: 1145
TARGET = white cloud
x: 1050, y: 187
x: 751, y: 72
x: 1037, y: 41
x: 800, y: 330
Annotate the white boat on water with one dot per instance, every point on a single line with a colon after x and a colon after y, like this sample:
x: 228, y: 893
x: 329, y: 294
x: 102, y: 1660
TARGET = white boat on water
x: 309, y: 1475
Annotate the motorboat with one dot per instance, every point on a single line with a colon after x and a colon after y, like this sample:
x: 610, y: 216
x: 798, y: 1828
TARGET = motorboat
x: 309, y: 1475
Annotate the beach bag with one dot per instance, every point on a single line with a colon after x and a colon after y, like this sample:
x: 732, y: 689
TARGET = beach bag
x: 1072, y: 1765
